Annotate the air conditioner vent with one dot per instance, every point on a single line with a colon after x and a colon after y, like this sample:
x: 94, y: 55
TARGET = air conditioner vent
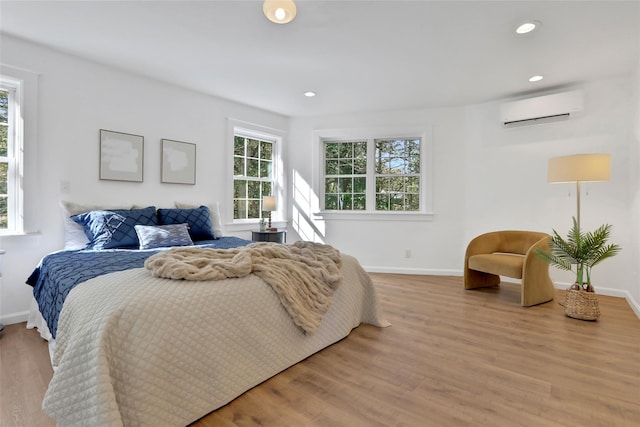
x: 542, y: 109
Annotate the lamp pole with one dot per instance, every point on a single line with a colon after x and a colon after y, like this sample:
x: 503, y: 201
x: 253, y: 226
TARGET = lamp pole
x: 578, y: 201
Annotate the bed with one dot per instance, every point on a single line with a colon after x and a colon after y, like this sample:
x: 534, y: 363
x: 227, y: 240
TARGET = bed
x: 136, y: 349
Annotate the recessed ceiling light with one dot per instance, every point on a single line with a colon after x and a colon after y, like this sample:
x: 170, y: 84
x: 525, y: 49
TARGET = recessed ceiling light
x: 527, y: 27
x: 536, y: 78
x: 309, y: 93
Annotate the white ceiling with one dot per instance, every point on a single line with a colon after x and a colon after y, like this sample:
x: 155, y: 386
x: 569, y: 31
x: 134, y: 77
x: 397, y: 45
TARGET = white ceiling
x: 359, y: 56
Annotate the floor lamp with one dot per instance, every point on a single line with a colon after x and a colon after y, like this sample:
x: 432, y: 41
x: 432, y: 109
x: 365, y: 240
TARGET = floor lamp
x: 579, y: 168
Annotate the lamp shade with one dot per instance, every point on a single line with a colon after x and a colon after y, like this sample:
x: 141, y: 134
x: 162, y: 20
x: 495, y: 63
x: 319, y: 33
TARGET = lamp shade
x: 279, y: 11
x: 269, y: 203
x: 579, y: 168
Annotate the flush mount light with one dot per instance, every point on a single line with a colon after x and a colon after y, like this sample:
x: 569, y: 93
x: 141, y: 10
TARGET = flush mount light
x: 279, y: 11
x: 309, y: 94
x: 527, y: 27
x: 536, y: 78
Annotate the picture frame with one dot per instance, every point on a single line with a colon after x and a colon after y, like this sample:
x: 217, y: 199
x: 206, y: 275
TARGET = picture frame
x: 121, y: 156
x: 178, y: 164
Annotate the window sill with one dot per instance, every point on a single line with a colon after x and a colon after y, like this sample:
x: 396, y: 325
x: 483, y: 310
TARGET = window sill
x: 375, y: 216
x: 253, y: 226
x: 13, y: 233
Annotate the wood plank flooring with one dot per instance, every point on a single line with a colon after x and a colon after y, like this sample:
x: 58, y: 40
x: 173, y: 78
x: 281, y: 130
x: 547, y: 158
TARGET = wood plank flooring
x: 451, y: 358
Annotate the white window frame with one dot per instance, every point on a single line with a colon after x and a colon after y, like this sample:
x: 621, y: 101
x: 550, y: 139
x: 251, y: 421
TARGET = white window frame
x: 14, y: 158
x: 275, y: 136
x: 366, y: 176
x: 424, y: 133
x: 372, y: 163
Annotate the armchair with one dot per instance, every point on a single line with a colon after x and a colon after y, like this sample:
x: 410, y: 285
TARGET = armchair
x: 510, y: 253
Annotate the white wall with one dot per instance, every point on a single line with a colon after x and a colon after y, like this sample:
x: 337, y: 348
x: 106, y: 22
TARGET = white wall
x: 382, y: 245
x: 489, y: 178
x: 634, y: 180
x: 76, y: 99
x: 506, y: 176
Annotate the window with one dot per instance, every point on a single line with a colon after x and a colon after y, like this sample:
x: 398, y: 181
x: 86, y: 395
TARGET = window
x: 345, y: 175
x: 397, y: 174
x: 10, y: 144
x: 253, y: 174
x: 375, y: 174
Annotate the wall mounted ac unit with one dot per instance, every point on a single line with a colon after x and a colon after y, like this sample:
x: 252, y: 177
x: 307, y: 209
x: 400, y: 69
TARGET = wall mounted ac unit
x: 543, y: 109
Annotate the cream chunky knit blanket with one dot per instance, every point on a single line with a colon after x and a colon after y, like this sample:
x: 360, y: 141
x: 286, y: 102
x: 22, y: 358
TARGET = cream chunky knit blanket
x: 304, y: 275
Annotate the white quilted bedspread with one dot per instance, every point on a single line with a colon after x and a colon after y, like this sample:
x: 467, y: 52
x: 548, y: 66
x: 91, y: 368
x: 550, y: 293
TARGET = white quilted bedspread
x: 135, y: 350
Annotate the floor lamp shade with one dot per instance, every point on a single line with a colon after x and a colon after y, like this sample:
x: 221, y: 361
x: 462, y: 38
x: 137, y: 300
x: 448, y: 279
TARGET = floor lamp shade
x: 579, y: 168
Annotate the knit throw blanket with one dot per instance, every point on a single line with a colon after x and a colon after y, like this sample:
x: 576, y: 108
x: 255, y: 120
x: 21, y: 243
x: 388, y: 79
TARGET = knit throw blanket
x: 304, y: 275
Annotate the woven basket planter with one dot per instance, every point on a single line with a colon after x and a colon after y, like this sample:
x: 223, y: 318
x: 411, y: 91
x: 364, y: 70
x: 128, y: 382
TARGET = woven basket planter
x: 581, y: 304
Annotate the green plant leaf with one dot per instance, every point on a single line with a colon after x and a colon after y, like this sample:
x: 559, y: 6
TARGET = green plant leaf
x: 582, y: 249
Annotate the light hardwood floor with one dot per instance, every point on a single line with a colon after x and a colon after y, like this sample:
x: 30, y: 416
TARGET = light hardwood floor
x: 451, y: 358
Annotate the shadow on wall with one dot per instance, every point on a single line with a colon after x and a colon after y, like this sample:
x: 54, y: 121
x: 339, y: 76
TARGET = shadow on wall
x: 305, y: 201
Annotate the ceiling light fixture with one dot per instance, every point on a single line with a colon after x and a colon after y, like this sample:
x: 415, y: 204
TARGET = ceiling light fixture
x: 309, y: 94
x: 527, y: 27
x: 536, y: 78
x: 279, y: 11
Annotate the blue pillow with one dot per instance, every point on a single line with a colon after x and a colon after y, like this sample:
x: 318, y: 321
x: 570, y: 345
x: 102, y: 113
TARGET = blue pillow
x: 199, y: 220
x: 115, y: 228
x: 159, y: 236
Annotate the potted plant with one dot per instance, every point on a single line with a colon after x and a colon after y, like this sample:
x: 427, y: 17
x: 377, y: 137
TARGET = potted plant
x: 582, y: 251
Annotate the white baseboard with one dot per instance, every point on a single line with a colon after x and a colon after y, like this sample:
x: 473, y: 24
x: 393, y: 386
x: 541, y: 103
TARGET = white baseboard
x: 414, y: 271
x: 10, y: 319
x: 635, y: 306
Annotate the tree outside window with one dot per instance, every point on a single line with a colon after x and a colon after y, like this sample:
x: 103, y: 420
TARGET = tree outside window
x: 372, y: 174
x: 346, y: 175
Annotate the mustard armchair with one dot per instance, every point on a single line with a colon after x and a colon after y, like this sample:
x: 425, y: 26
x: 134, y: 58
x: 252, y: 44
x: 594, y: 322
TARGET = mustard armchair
x: 510, y: 253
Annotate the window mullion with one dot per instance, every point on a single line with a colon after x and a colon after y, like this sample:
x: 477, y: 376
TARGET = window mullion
x: 371, y: 175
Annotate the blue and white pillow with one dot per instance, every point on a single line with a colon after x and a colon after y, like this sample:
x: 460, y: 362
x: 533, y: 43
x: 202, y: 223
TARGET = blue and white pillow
x: 115, y: 228
x: 199, y: 220
x: 160, y: 236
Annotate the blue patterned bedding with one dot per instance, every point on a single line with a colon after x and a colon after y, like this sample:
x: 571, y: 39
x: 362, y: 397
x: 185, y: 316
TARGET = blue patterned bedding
x: 61, y: 271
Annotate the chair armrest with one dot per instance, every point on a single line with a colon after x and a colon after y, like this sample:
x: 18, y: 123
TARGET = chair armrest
x: 533, y: 261
x: 486, y: 243
x: 483, y: 244
x: 537, y: 285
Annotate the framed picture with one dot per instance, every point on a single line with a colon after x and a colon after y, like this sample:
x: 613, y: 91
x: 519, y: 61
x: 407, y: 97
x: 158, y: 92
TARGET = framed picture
x: 121, y: 156
x: 178, y: 162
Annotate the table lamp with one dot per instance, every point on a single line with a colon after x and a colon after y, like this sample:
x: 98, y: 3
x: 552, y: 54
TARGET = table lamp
x: 269, y: 205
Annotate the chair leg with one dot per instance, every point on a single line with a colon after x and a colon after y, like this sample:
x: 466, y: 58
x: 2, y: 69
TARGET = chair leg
x: 537, y: 291
x: 474, y: 279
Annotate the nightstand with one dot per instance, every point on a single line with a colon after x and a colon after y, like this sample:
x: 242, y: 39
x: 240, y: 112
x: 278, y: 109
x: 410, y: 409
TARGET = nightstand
x: 269, y: 236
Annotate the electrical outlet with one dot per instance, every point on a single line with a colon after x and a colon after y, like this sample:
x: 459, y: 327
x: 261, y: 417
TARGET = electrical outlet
x: 407, y: 253
x: 65, y: 187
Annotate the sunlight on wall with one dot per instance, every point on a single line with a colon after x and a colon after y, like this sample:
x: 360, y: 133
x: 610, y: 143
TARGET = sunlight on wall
x: 305, y: 201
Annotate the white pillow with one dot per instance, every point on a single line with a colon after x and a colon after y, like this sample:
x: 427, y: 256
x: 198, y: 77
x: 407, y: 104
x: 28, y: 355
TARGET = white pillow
x: 162, y: 236
x: 214, y: 213
x: 74, y: 237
